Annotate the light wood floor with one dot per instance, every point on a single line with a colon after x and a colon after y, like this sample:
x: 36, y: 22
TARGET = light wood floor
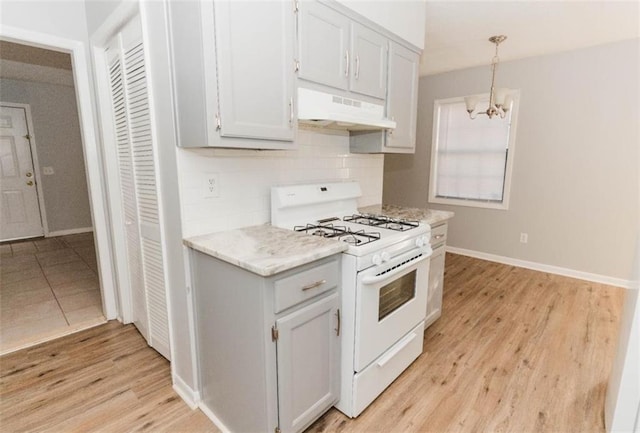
x: 105, y: 379
x: 515, y: 351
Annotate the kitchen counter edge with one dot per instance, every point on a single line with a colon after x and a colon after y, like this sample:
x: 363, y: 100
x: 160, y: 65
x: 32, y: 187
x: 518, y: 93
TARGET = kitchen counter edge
x: 265, y: 250
x: 429, y: 216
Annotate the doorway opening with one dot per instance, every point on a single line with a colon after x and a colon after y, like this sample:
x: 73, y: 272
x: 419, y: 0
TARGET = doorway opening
x: 50, y: 285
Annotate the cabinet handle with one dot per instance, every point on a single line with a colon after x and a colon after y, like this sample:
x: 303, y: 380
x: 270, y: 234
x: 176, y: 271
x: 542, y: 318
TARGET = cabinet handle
x: 357, y: 66
x: 438, y: 236
x: 346, y: 69
x: 291, y: 111
x: 313, y: 285
x: 338, y: 328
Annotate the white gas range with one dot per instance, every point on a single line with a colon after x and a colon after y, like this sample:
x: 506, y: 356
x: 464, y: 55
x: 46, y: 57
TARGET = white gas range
x: 384, y: 283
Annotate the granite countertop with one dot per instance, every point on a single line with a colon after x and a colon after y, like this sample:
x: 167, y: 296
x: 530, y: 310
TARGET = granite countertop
x: 265, y: 250
x: 430, y: 216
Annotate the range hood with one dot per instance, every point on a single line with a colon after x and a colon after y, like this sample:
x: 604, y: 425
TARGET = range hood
x: 337, y: 112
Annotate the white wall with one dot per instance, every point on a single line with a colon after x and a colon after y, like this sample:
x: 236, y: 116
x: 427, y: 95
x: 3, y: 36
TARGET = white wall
x: 406, y: 18
x: 64, y: 19
x: 245, y: 178
x: 575, y: 173
x: 58, y: 145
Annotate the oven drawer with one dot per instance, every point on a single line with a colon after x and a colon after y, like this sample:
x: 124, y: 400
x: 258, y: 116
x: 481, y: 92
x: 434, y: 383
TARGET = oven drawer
x: 370, y: 382
x: 438, y: 234
x: 304, y: 285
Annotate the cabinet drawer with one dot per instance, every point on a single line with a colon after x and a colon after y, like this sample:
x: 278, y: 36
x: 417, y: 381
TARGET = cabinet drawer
x: 371, y: 381
x: 299, y: 287
x: 438, y: 234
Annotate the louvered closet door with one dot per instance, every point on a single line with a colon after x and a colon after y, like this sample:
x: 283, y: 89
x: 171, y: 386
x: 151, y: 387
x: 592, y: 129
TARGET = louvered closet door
x: 133, y: 129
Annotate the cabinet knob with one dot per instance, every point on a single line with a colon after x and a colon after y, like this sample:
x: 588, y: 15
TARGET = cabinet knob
x: 30, y: 183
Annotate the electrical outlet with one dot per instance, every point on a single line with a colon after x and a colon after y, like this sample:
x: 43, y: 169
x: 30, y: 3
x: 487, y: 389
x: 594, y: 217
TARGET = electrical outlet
x: 524, y: 238
x: 211, y: 185
x: 47, y: 170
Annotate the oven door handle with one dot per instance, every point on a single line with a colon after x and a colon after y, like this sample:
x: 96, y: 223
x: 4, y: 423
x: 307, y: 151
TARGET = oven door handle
x: 388, y: 275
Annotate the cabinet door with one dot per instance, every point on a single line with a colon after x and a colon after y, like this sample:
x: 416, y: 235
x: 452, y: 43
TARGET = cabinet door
x: 436, y: 280
x: 402, y: 96
x: 324, y: 44
x: 254, y: 47
x: 308, y: 351
x: 369, y: 64
x: 195, y: 78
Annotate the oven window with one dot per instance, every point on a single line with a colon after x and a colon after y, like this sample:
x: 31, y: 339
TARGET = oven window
x: 396, y: 294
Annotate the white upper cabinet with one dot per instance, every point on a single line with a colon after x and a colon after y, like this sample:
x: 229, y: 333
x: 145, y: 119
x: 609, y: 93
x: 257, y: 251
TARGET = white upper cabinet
x: 402, y: 97
x: 369, y: 50
x: 237, y: 65
x: 402, y: 107
x: 234, y: 73
x: 338, y: 52
x: 254, y: 47
x: 323, y: 45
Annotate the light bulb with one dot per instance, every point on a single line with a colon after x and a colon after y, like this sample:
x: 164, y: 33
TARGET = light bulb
x: 470, y: 102
x: 500, y: 95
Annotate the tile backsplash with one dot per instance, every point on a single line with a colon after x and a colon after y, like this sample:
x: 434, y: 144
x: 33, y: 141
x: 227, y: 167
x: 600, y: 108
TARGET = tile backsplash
x: 245, y: 177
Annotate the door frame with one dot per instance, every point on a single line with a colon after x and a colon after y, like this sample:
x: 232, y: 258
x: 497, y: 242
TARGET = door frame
x: 92, y: 151
x: 37, y: 174
x: 98, y: 44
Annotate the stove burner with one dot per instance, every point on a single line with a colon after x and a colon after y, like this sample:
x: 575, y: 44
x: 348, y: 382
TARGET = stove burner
x: 382, y: 221
x: 360, y: 237
x: 342, y: 233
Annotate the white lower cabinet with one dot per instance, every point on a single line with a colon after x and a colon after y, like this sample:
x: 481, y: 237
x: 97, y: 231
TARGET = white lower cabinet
x: 308, y: 362
x: 268, y: 347
x: 436, y: 273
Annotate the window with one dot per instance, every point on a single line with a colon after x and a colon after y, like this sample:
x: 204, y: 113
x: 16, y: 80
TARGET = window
x: 471, y: 159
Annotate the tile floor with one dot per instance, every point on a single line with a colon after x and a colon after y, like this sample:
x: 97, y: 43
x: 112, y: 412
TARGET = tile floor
x: 48, y: 288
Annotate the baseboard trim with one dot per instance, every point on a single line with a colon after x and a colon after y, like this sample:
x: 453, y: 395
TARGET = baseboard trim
x: 69, y: 232
x: 214, y: 419
x: 596, y: 278
x: 188, y: 394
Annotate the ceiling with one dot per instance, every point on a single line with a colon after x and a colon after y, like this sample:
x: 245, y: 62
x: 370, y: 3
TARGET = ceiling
x: 457, y: 32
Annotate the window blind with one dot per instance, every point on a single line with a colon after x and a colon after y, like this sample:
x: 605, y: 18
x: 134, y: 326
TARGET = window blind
x: 471, y: 154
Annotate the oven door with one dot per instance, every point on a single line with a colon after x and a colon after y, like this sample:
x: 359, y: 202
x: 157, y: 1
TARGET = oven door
x: 391, y: 299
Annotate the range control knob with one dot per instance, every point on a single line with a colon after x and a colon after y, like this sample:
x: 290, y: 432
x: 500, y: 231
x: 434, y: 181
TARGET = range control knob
x: 385, y: 256
x: 420, y: 242
x: 376, y: 259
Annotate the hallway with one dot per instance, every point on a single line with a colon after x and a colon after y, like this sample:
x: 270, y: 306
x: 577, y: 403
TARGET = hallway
x: 48, y: 288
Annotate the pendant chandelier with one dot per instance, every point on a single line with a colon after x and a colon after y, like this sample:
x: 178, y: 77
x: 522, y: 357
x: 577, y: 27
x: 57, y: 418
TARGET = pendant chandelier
x: 499, y: 99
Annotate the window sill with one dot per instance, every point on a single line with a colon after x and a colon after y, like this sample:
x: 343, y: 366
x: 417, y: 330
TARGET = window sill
x: 470, y: 203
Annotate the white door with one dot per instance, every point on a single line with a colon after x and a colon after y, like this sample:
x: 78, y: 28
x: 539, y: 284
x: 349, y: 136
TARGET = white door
x: 19, y: 205
x: 129, y: 205
x: 133, y: 137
